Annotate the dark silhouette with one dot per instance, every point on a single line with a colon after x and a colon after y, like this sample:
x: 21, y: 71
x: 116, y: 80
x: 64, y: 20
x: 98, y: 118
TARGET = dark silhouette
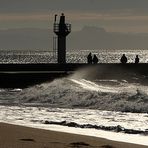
x: 61, y: 29
x: 55, y: 18
x: 62, y: 19
x: 89, y: 58
x: 29, y: 74
x: 136, y: 59
x: 62, y: 26
x: 123, y: 59
x: 95, y: 59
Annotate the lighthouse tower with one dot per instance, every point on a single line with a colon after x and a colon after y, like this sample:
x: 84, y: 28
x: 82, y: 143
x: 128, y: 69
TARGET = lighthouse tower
x: 61, y: 29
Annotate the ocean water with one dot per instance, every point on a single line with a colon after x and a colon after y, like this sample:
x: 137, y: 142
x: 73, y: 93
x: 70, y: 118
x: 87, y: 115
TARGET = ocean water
x: 79, y: 56
x: 73, y: 103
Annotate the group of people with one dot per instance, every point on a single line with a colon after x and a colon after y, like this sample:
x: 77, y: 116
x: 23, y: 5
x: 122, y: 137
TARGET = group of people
x: 123, y: 59
x: 92, y: 59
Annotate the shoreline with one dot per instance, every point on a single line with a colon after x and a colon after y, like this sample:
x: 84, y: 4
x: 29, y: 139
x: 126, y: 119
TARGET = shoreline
x: 20, y: 136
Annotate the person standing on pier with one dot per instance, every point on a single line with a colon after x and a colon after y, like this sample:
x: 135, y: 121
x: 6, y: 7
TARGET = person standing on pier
x: 95, y: 59
x: 123, y: 59
x: 89, y: 58
x: 136, y: 59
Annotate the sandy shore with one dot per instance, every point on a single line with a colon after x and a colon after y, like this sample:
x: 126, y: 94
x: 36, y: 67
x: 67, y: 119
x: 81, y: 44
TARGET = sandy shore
x: 13, y: 136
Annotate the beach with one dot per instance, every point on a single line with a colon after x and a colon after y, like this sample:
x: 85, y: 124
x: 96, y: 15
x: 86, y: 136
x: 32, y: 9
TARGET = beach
x: 14, y: 136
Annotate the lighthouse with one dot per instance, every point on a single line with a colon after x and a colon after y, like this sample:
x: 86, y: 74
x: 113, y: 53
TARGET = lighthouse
x: 62, y: 30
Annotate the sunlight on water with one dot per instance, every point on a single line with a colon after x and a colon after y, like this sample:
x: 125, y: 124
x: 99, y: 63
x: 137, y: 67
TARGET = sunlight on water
x: 78, y: 99
x: 78, y: 56
x: 94, y: 87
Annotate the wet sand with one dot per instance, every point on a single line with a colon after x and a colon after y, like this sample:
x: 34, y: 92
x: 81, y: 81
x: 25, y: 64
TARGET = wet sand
x: 13, y: 136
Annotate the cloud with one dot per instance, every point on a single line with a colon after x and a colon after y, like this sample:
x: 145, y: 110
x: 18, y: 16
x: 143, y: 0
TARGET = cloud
x: 83, y: 5
x: 112, y: 22
x: 24, y: 17
x: 71, y: 15
x: 110, y: 14
x: 103, y: 16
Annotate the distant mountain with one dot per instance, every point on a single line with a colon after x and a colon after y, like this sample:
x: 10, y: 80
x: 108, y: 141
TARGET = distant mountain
x: 98, y: 38
x: 87, y: 38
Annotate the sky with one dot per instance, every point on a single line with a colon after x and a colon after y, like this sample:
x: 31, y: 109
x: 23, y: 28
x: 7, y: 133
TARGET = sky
x: 113, y: 15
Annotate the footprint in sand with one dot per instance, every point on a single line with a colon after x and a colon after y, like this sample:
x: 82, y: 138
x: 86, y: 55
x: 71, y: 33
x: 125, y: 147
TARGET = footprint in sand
x: 107, y: 146
x: 31, y: 140
x: 79, y: 144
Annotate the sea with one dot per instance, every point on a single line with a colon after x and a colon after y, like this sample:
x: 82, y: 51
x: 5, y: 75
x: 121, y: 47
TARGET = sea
x: 116, y: 109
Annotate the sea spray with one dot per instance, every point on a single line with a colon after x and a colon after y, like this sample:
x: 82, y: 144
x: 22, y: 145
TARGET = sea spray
x: 66, y: 93
x: 81, y: 91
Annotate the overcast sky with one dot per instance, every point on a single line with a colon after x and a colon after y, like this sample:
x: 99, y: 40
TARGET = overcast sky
x: 113, y: 15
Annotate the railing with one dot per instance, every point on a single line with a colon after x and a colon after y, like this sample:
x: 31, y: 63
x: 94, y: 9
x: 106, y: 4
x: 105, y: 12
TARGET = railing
x: 55, y: 48
x: 57, y: 28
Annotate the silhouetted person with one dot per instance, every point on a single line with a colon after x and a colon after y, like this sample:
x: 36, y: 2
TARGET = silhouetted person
x: 123, y: 59
x: 89, y: 58
x: 136, y: 59
x: 95, y: 59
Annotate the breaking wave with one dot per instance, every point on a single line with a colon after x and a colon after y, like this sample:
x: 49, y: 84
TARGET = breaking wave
x: 69, y: 92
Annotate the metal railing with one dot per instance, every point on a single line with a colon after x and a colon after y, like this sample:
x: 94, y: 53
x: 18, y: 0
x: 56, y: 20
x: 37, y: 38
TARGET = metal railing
x: 57, y: 27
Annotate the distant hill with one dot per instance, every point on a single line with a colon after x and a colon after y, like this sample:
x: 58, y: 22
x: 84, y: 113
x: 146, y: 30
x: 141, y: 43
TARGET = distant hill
x: 98, y: 38
x: 87, y: 38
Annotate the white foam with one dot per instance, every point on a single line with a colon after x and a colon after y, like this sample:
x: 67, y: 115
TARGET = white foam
x: 35, y: 117
x: 134, y: 139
